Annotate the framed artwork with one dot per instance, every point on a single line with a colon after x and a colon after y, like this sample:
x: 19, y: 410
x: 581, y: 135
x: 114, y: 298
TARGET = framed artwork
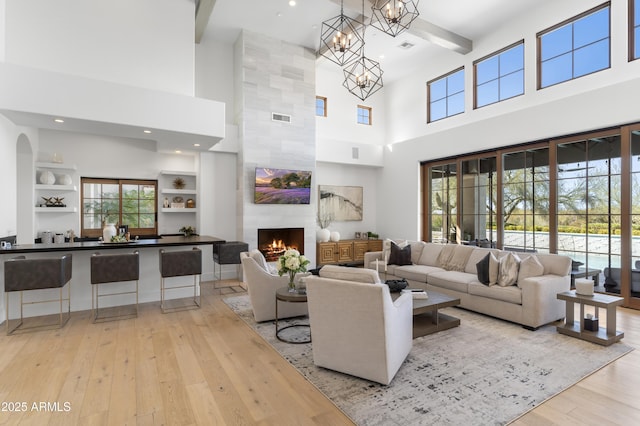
x: 358, y: 236
x: 342, y: 203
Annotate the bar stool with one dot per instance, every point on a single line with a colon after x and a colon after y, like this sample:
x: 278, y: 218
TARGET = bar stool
x: 112, y: 268
x: 227, y: 253
x: 21, y: 274
x: 178, y: 264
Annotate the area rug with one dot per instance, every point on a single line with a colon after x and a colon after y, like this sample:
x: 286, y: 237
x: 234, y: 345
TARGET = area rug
x: 484, y: 372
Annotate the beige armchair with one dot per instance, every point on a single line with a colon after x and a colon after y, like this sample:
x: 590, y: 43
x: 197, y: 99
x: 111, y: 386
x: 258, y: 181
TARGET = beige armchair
x: 262, y: 285
x: 358, y: 329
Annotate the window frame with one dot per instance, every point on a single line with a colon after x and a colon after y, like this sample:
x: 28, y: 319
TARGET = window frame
x: 564, y: 23
x: 632, y: 42
x: 447, y: 96
x: 500, y: 77
x: 91, y: 232
x: 324, y: 106
x: 369, y: 122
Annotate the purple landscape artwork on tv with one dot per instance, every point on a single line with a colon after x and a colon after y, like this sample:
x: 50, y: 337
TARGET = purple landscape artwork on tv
x: 282, y: 186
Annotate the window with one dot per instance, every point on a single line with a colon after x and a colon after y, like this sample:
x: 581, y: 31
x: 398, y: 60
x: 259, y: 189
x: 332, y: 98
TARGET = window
x: 499, y: 76
x: 634, y: 26
x: 445, y: 96
x: 321, y: 106
x: 121, y: 201
x: 574, y: 48
x: 364, y: 115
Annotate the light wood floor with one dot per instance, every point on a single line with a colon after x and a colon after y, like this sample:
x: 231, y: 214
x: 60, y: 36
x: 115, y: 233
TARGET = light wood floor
x: 208, y: 367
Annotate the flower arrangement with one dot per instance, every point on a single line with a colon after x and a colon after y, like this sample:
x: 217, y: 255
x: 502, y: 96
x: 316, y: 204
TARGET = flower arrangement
x: 292, y: 262
x: 187, y: 230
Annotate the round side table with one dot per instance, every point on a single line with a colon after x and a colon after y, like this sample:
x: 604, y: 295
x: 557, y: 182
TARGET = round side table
x: 283, y: 295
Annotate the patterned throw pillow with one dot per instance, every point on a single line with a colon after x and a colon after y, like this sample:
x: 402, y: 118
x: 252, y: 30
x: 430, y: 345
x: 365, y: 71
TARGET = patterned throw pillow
x: 508, y: 272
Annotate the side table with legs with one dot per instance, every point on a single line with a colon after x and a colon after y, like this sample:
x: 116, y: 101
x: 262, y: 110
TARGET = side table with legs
x: 283, y: 295
x: 603, y: 336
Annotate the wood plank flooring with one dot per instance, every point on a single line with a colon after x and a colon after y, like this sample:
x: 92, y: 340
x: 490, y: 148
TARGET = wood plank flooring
x: 206, y: 366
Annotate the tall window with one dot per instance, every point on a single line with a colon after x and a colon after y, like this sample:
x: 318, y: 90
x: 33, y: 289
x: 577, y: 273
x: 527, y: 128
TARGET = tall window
x: 445, y: 96
x: 364, y: 115
x: 478, y: 198
x: 634, y: 25
x: 499, y: 76
x: 574, y: 48
x: 443, y: 189
x: 321, y: 106
x: 121, y: 201
x: 525, y: 199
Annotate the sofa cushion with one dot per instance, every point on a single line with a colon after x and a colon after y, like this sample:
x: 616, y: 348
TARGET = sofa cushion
x: 508, y: 272
x: 529, y: 267
x: 400, y: 256
x: 455, y: 257
x: 430, y: 254
x: 416, y: 250
x: 453, y: 280
x: 415, y: 272
x: 511, y: 294
x: 350, y: 274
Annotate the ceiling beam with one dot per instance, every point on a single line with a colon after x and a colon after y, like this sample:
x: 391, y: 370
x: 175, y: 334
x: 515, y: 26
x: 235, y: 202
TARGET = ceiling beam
x: 204, y: 8
x: 421, y: 28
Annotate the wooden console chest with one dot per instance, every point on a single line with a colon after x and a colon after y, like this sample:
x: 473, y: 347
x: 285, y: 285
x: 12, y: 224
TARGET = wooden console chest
x: 345, y: 251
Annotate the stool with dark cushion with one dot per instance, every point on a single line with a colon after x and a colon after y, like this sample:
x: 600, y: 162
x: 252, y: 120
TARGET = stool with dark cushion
x: 21, y: 274
x: 179, y: 264
x: 227, y: 253
x: 113, y: 268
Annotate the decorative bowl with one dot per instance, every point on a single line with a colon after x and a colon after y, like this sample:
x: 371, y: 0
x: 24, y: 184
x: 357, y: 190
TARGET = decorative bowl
x: 396, y: 286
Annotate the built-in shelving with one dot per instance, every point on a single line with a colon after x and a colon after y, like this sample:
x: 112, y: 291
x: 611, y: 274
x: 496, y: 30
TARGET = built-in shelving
x: 56, y: 209
x: 68, y: 188
x: 58, y: 166
x: 166, y: 181
x: 41, y: 190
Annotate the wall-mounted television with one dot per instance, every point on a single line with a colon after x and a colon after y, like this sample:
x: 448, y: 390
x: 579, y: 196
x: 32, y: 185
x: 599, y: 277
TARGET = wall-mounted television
x: 282, y: 186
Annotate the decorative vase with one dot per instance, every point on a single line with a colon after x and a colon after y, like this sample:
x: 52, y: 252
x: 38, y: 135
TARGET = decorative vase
x: 292, y: 284
x: 335, y: 236
x: 323, y: 235
x: 47, y: 178
x: 108, y: 231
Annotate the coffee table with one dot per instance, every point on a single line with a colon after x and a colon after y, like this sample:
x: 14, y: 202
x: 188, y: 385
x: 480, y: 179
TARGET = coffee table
x: 427, y: 319
x: 283, y: 295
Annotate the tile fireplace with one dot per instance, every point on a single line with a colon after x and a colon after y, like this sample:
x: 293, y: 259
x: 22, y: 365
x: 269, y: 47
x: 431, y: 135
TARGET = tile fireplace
x: 272, y: 242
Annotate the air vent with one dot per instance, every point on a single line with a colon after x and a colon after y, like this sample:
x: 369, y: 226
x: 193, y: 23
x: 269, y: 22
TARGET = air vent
x: 355, y: 153
x: 283, y: 118
x: 406, y: 45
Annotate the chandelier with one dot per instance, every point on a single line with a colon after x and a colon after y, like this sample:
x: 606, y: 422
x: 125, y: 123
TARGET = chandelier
x: 394, y: 16
x: 339, y: 39
x: 364, y: 77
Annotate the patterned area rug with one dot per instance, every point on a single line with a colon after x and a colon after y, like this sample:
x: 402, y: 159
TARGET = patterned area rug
x: 484, y: 372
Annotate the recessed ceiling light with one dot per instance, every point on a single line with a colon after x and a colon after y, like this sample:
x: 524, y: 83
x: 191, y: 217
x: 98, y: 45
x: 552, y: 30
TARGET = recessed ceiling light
x: 381, y: 56
x: 196, y: 144
x: 178, y: 151
x: 58, y: 120
x: 147, y: 131
x: 292, y: 3
x: 279, y: 14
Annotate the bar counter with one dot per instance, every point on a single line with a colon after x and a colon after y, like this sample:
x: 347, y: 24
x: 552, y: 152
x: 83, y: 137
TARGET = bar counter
x: 149, y: 284
x: 164, y: 241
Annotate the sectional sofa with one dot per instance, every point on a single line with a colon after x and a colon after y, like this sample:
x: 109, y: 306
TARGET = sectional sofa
x: 527, y: 298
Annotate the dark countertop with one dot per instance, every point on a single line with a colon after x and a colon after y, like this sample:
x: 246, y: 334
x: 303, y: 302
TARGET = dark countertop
x: 165, y: 241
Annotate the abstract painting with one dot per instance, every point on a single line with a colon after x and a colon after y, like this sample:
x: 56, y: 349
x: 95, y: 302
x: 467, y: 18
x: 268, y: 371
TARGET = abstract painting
x: 342, y: 203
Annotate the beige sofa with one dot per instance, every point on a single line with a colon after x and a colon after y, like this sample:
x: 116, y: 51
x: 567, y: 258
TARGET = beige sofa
x: 531, y: 301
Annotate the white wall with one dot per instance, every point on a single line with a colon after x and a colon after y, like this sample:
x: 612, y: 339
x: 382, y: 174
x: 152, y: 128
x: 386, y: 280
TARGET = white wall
x: 347, y: 175
x: 3, y: 6
x: 8, y: 136
x: 101, y: 40
x: 214, y: 74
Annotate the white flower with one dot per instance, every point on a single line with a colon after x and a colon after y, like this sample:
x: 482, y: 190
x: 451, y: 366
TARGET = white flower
x: 292, y: 263
x: 291, y: 253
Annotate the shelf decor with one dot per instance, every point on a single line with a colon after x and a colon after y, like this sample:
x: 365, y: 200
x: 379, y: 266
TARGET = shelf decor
x: 179, y: 183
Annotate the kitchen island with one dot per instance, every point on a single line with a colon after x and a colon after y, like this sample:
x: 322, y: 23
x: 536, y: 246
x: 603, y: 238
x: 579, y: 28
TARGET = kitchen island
x: 149, y: 285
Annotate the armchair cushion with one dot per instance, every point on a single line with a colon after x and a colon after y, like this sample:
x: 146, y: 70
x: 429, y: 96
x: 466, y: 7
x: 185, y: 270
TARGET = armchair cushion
x: 345, y: 273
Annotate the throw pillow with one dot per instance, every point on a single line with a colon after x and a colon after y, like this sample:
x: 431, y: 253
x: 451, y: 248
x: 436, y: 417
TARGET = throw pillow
x: 386, y: 247
x: 494, y: 268
x: 508, y: 272
x: 400, y: 256
x: 483, y: 270
x: 530, y: 267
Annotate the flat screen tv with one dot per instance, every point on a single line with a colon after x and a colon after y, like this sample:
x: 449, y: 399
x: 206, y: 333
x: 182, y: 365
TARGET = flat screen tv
x: 282, y: 186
